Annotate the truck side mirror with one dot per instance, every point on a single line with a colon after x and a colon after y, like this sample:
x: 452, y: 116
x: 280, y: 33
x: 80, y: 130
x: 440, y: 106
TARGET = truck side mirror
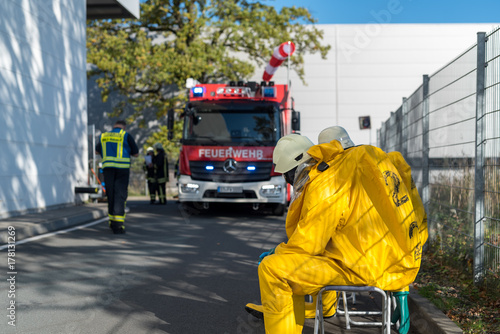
x: 296, y: 120
x: 170, y: 123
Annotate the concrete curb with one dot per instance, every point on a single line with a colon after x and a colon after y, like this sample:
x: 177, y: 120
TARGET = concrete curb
x: 29, y: 228
x: 425, y: 318
x: 62, y: 223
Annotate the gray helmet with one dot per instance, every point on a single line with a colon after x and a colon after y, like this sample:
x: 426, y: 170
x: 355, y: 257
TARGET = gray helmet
x: 335, y: 133
x: 158, y: 146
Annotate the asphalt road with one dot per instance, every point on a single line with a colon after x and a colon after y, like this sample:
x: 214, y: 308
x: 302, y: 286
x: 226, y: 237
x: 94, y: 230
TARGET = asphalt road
x: 173, y: 272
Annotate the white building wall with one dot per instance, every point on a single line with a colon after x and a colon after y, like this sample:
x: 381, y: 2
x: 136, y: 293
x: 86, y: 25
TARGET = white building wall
x: 43, y: 103
x: 368, y: 71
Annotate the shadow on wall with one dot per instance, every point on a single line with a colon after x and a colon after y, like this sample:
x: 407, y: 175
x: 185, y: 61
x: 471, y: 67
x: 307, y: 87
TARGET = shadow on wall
x: 43, y: 123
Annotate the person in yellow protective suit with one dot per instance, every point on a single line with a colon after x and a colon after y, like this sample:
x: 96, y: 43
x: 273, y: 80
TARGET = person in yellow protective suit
x: 340, y: 134
x: 351, y: 223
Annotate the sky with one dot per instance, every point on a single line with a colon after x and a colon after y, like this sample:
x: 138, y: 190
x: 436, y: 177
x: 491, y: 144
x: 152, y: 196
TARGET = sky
x: 397, y: 11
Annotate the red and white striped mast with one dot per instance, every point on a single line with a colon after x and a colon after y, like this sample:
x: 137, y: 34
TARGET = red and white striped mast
x: 282, y: 52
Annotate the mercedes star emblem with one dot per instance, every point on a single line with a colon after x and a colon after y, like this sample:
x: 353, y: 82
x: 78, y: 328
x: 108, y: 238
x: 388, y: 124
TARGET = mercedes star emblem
x: 229, y: 166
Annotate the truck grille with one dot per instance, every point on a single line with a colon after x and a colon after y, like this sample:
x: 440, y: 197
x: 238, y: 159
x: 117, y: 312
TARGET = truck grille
x: 199, y: 172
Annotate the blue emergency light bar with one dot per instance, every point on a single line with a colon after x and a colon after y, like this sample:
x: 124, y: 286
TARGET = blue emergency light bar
x: 269, y: 91
x: 251, y: 168
x: 208, y: 167
x: 198, y: 91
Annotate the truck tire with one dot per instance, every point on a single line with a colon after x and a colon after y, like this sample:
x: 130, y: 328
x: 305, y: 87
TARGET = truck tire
x: 279, y: 209
x: 189, y: 208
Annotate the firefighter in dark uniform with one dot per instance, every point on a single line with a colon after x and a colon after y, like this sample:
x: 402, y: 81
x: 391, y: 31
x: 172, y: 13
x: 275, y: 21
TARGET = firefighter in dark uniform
x: 116, y: 147
x: 149, y: 169
x: 161, y: 167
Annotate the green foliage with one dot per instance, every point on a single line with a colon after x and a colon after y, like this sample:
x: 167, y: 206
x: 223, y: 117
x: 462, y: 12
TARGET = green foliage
x: 171, y: 146
x: 148, y: 60
x: 137, y: 177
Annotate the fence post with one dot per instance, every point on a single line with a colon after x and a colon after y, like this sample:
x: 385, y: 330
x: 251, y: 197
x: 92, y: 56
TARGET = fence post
x: 425, y: 153
x: 404, y: 128
x: 383, y: 136
x: 479, y: 161
x: 399, y: 131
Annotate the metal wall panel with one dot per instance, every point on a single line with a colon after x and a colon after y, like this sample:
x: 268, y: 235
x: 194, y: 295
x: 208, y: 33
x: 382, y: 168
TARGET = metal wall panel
x: 43, y: 123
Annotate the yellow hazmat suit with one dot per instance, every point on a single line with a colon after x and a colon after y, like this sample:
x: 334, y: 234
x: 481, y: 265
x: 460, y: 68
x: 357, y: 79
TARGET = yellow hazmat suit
x: 405, y: 171
x: 353, y: 223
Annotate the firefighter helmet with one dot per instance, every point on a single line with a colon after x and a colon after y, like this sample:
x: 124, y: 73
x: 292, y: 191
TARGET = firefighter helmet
x: 335, y: 133
x: 158, y: 146
x: 290, y: 151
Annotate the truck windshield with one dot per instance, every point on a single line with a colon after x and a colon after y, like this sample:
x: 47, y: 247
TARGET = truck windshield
x: 231, y: 125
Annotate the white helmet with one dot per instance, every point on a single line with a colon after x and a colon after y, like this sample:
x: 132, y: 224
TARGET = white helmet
x: 290, y: 151
x: 335, y: 133
x: 150, y: 149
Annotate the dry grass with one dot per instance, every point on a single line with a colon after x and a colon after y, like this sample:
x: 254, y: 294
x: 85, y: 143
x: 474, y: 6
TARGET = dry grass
x: 475, y: 309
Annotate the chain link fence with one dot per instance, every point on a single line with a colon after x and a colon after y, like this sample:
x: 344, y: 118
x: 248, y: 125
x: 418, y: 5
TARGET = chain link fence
x: 448, y: 130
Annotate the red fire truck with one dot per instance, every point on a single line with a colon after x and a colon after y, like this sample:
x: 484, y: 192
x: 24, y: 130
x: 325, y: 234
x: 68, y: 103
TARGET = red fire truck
x: 230, y: 131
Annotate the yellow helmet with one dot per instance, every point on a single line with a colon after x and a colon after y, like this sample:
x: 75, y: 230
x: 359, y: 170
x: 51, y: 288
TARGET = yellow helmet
x: 290, y: 151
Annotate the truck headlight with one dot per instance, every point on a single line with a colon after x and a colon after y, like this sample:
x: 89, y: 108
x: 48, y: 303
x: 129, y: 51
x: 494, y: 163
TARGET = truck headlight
x: 270, y: 190
x: 189, y: 187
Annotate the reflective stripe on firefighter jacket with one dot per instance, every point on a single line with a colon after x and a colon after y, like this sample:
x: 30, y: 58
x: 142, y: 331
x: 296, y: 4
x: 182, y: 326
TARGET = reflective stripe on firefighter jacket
x: 115, y: 149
